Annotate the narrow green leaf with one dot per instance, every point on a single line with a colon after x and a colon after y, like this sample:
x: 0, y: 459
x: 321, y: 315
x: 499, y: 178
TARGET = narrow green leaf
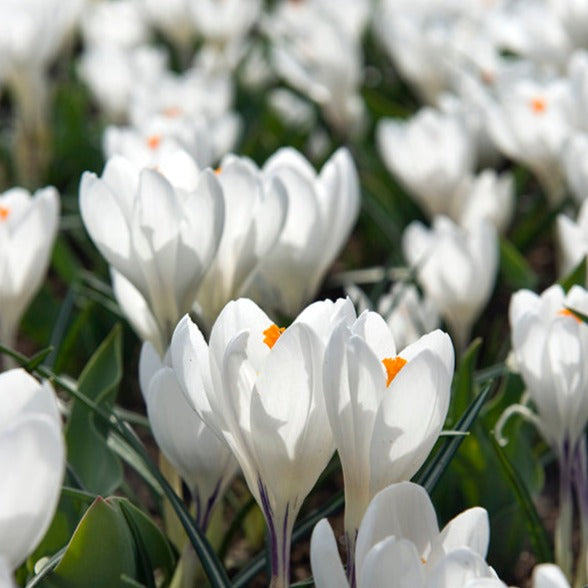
x: 38, y: 358
x: 537, y: 533
x: 514, y: 268
x: 430, y: 474
x: 97, y: 466
x: 464, y: 385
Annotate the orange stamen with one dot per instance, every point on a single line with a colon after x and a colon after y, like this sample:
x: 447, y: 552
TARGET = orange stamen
x: 538, y: 105
x: 153, y: 141
x: 218, y: 170
x: 393, y: 365
x: 272, y: 334
x: 568, y: 312
x: 172, y: 111
x: 4, y: 212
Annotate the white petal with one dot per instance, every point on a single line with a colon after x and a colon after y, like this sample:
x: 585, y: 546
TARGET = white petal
x: 327, y: 569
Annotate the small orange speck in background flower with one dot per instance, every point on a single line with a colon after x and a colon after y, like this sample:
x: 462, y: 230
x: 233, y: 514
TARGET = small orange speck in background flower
x: 393, y: 365
x: 172, y: 111
x: 153, y: 141
x: 272, y: 334
x: 538, y: 105
x: 4, y: 212
x: 568, y: 312
x: 218, y: 170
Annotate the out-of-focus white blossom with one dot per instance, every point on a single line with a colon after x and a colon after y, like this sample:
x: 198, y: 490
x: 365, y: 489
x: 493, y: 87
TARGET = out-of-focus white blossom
x: 572, y: 239
x: 28, y: 227
x: 322, y: 209
x: 456, y: 268
x: 430, y: 154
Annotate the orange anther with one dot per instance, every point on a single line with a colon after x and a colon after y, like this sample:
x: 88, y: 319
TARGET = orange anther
x: 538, y: 105
x: 568, y: 312
x: 393, y: 365
x: 153, y: 141
x: 272, y: 334
x: 4, y: 212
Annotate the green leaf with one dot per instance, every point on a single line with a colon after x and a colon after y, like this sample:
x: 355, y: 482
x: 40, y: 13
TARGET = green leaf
x: 152, y: 546
x: 537, y: 533
x: 464, y: 383
x: 99, y: 553
x: 98, y: 468
x: 430, y: 474
x: 576, y: 277
x: 514, y: 268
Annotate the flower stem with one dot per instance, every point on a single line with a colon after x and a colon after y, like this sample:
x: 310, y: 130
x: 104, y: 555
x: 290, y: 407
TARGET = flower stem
x: 279, y: 538
x: 563, y: 529
x: 581, y: 488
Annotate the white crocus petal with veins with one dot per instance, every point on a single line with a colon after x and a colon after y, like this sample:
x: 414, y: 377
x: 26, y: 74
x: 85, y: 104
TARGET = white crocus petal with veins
x: 31, y: 445
x: 28, y: 227
x: 203, y: 460
x: 255, y: 212
x: 151, y: 229
x: 549, y: 576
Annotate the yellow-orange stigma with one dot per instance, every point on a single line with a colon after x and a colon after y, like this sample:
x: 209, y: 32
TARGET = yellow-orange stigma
x: 153, y: 141
x: 4, y: 212
x: 568, y: 312
x: 393, y: 365
x: 272, y: 334
x: 538, y: 105
x: 172, y: 111
x: 218, y: 170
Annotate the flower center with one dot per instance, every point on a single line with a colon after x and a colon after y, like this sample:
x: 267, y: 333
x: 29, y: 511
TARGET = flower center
x: 393, y: 365
x: 568, y: 312
x: 538, y: 105
x: 272, y: 334
x: 153, y: 141
x: 218, y: 170
x: 4, y: 212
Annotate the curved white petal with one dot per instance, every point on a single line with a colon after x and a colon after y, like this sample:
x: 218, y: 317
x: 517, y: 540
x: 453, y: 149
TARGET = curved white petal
x: 327, y: 569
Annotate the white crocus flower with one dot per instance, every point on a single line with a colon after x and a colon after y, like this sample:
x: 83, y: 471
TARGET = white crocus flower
x: 399, y: 545
x: 456, y: 267
x: 322, y: 209
x: 160, y: 235
x: 550, y: 345
x: 572, y: 239
x: 487, y: 196
x: 202, y: 459
x: 529, y: 122
x: 549, y: 576
x: 173, y: 18
x: 113, y: 75
x: 429, y: 154
x: 260, y: 388
x: 120, y: 24
x: 32, y: 457
x: 255, y: 213
x: 386, y: 407
x: 312, y: 50
x: 28, y: 227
